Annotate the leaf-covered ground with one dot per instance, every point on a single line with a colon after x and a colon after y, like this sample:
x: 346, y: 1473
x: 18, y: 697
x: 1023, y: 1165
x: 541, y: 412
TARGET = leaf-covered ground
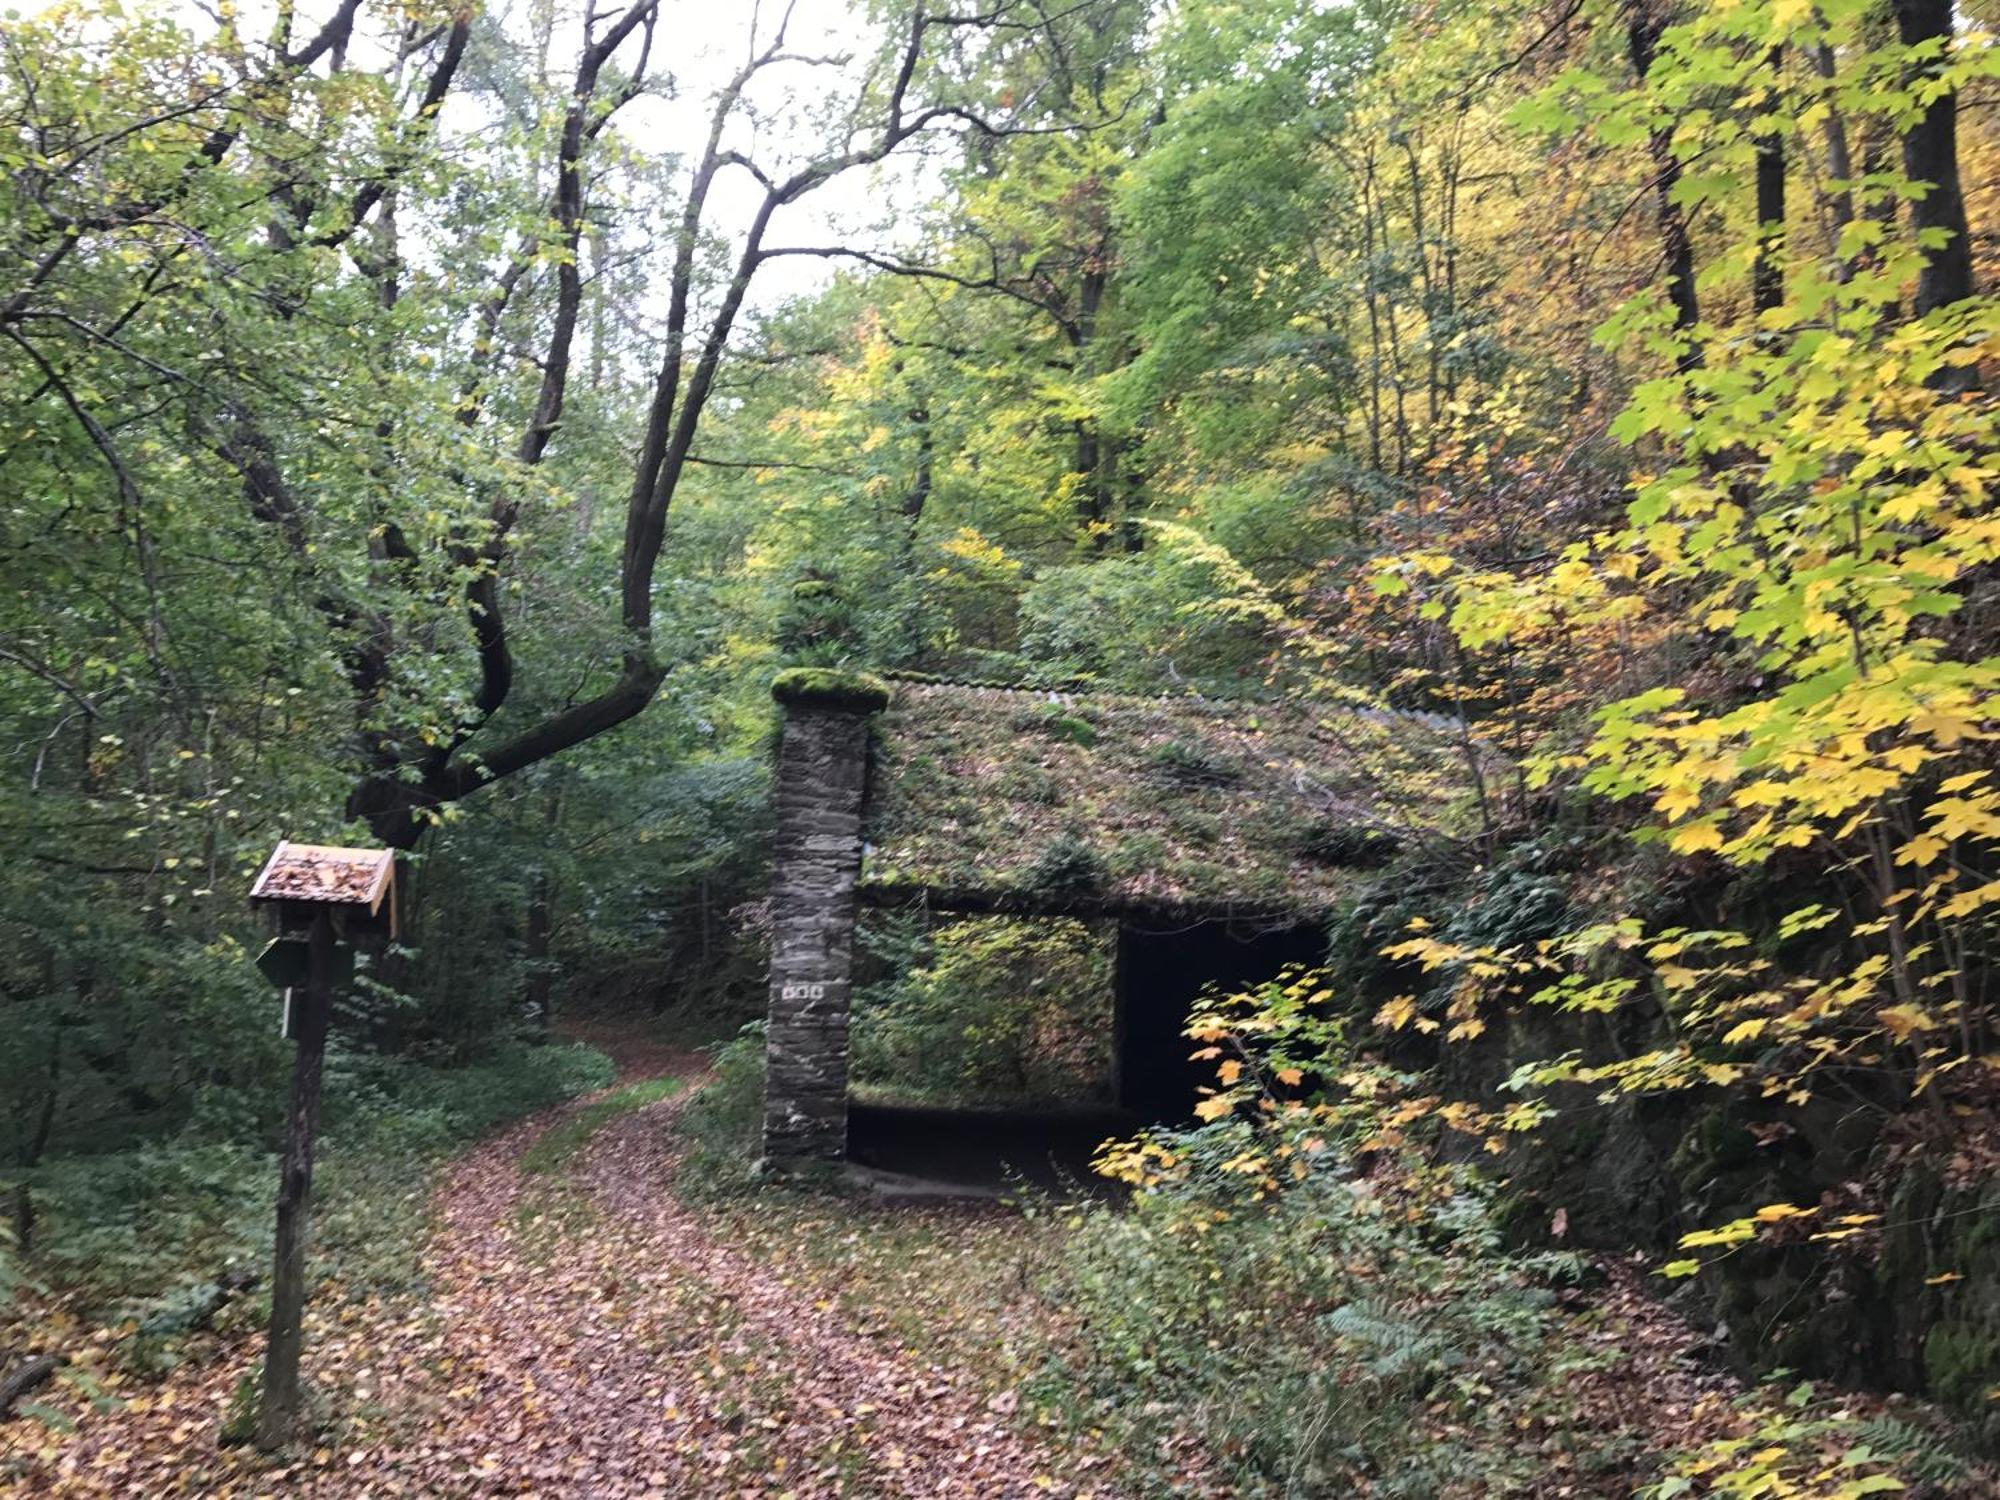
x: 585, y: 1333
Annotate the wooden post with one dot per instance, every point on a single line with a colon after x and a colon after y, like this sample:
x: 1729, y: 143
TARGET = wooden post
x: 279, y: 1412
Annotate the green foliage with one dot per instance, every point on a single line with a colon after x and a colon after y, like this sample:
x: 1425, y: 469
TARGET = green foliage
x: 721, y: 1127
x: 986, y: 1011
x: 1059, y: 723
x: 139, y: 1225
x: 1068, y: 866
x: 1800, y: 1445
x: 1191, y: 763
x: 1135, y: 622
x: 1302, y: 1333
x: 1336, y: 365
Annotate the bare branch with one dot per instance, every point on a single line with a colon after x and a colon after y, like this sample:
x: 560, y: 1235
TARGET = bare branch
x: 370, y: 193
x: 992, y: 283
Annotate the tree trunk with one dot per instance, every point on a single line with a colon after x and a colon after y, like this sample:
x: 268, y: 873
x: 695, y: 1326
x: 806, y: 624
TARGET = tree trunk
x: 279, y: 1414
x: 1642, y: 39
x: 38, y: 1144
x: 1839, y: 158
x: 1930, y: 155
x: 1767, y: 277
x: 24, y: 1378
x: 1930, y: 159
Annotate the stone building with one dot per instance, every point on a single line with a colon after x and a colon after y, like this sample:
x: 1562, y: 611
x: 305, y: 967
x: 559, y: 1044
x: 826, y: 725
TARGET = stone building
x: 1216, y: 836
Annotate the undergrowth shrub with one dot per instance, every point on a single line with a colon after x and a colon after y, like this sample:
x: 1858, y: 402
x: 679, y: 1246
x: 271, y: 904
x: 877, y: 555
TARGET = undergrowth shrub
x: 988, y: 1011
x: 122, y: 1230
x: 1352, y: 1329
x: 1318, y: 1287
x: 721, y: 1126
x: 1806, y: 1445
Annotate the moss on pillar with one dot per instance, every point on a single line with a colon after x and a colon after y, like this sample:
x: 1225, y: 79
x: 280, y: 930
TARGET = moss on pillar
x: 830, y: 688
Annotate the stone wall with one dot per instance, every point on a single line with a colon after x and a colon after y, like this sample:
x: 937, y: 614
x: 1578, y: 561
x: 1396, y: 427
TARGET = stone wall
x: 822, y: 769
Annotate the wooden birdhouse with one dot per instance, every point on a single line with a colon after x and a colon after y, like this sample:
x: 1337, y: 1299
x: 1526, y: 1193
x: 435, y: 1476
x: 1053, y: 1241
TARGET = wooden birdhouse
x: 356, y: 888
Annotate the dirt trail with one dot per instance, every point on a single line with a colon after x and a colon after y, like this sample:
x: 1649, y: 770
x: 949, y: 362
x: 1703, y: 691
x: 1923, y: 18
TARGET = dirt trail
x: 587, y: 1335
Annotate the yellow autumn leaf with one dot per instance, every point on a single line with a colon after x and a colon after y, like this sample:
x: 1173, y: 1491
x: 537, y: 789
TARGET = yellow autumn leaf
x: 1967, y: 902
x: 1676, y: 801
x: 1902, y: 1021
x: 1398, y: 1013
x: 1695, y: 838
x: 1921, y: 850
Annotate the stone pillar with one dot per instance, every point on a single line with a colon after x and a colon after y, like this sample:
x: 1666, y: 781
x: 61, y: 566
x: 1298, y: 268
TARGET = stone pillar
x: 822, y: 770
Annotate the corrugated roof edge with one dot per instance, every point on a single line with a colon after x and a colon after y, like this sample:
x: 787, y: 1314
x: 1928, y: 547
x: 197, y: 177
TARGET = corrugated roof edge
x: 1074, y: 689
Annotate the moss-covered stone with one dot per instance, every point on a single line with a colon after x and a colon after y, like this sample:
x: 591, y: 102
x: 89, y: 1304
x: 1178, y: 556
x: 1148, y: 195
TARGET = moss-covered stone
x: 829, y: 687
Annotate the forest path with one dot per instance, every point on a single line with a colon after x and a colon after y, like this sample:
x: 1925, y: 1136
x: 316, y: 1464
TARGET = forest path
x: 588, y: 1334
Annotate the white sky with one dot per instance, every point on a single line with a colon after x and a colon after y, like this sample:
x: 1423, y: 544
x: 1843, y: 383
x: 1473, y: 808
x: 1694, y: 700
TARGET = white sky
x: 702, y: 43
x: 699, y: 45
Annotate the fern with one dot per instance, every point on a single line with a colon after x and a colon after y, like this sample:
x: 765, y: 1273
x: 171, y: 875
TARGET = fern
x: 1914, y: 1451
x: 1394, y: 1349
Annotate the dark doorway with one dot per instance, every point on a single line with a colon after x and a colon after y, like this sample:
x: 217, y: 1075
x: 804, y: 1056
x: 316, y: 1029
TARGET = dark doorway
x: 1159, y: 975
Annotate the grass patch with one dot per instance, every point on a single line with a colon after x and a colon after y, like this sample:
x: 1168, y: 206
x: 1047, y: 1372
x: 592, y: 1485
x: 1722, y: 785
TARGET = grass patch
x: 560, y: 1142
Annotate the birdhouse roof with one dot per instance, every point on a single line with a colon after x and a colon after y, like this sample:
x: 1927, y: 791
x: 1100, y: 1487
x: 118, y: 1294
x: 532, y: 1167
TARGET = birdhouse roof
x: 326, y: 873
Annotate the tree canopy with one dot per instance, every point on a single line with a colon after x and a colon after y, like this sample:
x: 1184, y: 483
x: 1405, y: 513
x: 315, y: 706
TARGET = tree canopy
x: 435, y: 426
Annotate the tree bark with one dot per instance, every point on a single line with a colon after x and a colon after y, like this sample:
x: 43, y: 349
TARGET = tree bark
x: 38, y: 1144
x: 1643, y: 26
x: 541, y: 982
x: 1767, y: 278
x: 1839, y: 157
x: 1930, y: 155
x: 24, y: 1378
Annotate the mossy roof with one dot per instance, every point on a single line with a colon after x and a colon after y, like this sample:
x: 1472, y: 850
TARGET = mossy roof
x: 1001, y: 798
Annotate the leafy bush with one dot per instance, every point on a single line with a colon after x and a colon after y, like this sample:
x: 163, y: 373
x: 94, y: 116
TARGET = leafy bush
x: 1067, y: 868
x: 1191, y: 763
x: 990, y: 1010
x: 127, y: 1227
x: 1298, y: 1280
x: 400, y: 1102
x: 1799, y: 1444
x: 1304, y: 1332
x: 721, y: 1127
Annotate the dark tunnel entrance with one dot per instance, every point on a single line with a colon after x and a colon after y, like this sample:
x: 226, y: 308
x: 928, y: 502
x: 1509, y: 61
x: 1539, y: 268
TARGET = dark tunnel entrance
x: 1159, y: 975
